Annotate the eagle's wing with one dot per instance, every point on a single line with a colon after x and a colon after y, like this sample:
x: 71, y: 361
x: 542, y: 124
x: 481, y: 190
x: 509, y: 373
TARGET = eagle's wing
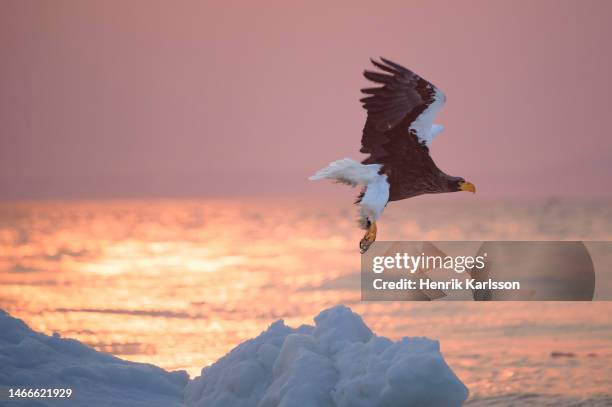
x: 398, y: 129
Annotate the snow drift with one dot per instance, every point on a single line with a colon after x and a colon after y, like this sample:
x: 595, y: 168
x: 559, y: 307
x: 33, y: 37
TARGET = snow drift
x: 337, y: 363
x: 32, y: 360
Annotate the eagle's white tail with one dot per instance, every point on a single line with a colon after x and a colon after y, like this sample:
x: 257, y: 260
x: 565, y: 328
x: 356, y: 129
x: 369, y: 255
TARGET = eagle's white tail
x: 348, y: 171
x: 373, y: 197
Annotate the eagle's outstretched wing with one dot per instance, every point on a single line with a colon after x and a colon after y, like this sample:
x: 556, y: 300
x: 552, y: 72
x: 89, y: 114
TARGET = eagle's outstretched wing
x: 398, y: 129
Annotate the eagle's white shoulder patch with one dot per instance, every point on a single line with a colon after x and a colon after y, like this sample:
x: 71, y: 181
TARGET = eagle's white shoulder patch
x: 424, y: 126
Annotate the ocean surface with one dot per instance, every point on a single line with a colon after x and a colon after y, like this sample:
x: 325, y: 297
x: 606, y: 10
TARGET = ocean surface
x: 180, y: 283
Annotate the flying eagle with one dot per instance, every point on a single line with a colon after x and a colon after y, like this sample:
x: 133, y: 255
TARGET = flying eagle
x: 397, y: 135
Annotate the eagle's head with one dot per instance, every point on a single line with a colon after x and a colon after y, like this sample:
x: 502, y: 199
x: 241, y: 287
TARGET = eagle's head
x: 463, y: 185
x: 455, y: 184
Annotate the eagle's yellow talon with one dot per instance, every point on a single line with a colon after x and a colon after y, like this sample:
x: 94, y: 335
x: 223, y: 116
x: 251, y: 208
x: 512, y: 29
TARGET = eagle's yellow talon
x: 368, y: 238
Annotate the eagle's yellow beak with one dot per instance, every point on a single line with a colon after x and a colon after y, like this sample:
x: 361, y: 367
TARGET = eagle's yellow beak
x: 467, y: 186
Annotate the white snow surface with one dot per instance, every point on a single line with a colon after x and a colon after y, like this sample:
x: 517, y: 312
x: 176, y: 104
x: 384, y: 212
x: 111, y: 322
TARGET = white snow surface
x: 32, y: 360
x: 338, y: 362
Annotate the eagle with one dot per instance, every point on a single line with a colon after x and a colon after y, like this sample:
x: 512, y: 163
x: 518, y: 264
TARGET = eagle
x: 397, y: 136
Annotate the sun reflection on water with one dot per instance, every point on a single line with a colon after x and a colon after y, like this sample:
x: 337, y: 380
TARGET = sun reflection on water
x: 179, y: 284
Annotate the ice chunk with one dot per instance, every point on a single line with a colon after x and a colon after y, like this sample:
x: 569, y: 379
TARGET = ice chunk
x: 32, y: 360
x: 337, y: 363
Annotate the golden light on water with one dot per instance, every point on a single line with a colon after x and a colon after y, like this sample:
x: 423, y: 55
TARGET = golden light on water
x: 179, y: 284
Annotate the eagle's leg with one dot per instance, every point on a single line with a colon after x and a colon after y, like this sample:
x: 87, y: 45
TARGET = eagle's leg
x: 368, y: 238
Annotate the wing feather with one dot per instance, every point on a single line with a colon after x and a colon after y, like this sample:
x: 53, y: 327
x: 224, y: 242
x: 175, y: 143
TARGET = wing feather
x: 397, y: 130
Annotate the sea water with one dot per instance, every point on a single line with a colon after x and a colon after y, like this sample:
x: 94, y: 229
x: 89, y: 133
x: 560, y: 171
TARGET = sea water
x: 180, y: 283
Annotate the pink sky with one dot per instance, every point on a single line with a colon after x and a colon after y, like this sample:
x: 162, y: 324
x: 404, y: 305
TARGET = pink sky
x: 129, y: 99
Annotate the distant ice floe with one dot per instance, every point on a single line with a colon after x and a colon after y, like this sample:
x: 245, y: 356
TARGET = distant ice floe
x: 337, y: 363
x: 32, y: 360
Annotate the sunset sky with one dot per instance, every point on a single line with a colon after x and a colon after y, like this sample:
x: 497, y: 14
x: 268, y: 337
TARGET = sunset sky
x: 130, y: 99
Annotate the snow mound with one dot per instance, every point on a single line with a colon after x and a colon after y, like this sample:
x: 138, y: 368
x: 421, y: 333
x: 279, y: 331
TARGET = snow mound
x: 32, y: 360
x: 337, y: 363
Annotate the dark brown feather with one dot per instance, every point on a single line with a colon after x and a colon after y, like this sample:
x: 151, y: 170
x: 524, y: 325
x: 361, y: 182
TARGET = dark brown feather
x: 386, y: 136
